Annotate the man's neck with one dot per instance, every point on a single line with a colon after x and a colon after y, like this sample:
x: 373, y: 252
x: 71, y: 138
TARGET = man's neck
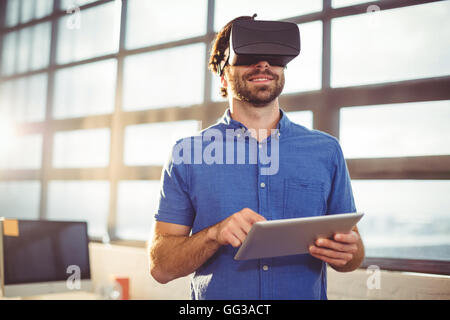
x: 259, y: 118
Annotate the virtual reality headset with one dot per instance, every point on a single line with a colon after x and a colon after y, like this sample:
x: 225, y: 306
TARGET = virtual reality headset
x: 252, y: 41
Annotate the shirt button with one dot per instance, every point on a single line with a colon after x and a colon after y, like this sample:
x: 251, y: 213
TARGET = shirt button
x: 265, y: 267
x: 263, y: 185
x: 260, y: 146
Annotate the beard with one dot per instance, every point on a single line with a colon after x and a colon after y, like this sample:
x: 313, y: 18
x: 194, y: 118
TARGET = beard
x: 258, y: 95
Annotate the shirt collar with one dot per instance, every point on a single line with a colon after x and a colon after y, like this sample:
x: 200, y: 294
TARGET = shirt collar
x: 282, y: 126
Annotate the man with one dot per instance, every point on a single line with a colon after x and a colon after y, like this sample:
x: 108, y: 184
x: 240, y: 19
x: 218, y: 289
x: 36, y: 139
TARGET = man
x: 219, y: 202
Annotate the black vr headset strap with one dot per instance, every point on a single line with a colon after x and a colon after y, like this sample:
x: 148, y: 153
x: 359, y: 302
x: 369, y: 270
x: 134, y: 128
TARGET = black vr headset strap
x: 223, y: 63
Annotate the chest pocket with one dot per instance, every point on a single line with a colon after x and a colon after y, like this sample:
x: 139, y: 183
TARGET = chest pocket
x: 303, y: 198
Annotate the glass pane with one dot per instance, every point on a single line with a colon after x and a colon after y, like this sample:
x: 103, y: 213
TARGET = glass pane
x: 9, y: 53
x: 137, y: 202
x: 391, y: 45
x: 43, y: 8
x: 40, y: 47
x: 150, y: 144
x: 80, y: 201
x: 148, y: 22
x: 346, y: 3
x: 412, y: 221
x: 396, y: 130
x: 304, y: 118
x: 81, y: 148
x: 24, y: 152
x: 68, y: 4
x: 20, y: 199
x: 227, y: 10
x: 304, y: 73
x: 27, y: 9
x: 89, y: 33
x: 34, y: 47
x: 12, y: 13
x: 24, y: 99
x: 85, y: 90
x: 171, y: 77
x: 24, y: 50
x: 27, y: 49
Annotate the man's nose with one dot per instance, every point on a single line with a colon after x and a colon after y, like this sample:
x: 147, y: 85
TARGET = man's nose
x: 262, y: 64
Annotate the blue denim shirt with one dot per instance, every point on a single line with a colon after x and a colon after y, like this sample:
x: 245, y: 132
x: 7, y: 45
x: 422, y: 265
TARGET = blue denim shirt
x: 311, y: 180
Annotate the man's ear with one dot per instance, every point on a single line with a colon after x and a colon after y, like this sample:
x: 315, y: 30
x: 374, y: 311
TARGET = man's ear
x: 223, y: 80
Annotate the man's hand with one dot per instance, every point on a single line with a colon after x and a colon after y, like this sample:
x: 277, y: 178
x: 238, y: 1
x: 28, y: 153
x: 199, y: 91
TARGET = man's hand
x: 234, y: 229
x: 344, y: 250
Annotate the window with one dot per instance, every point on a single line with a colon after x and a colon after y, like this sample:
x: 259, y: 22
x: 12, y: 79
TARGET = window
x: 22, y: 11
x: 391, y: 45
x: 407, y: 219
x: 71, y: 148
x: 170, y: 77
x: 346, y: 3
x: 397, y: 130
x: 21, y: 152
x: 304, y: 73
x: 24, y: 99
x: 35, y: 9
x: 227, y: 10
x: 26, y: 50
x: 80, y: 201
x: 89, y: 33
x: 145, y: 19
x: 9, y: 53
x: 85, y: 90
x: 12, y: 13
x: 150, y: 144
x: 304, y: 118
x: 136, y: 205
x: 68, y: 4
x: 12, y: 196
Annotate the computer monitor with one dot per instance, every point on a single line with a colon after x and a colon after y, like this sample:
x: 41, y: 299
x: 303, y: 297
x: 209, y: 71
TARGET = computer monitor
x: 41, y: 257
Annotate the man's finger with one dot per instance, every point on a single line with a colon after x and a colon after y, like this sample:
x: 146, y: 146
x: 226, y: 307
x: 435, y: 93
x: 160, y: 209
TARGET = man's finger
x: 331, y: 253
x: 351, y: 237
x: 335, y: 262
x: 339, y: 246
x: 239, y: 232
x: 252, y: 216
x: 244, y: 224
x: 232, y: 239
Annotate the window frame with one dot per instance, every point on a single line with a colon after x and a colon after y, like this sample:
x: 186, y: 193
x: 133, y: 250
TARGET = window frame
x: 327, y: 103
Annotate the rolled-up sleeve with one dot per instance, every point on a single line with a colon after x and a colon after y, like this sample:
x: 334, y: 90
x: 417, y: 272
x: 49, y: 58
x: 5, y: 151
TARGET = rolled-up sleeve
x: 340, y: 199
x: 174, y: 203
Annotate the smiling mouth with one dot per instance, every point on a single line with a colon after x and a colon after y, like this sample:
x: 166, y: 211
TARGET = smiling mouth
x: 260, y: 79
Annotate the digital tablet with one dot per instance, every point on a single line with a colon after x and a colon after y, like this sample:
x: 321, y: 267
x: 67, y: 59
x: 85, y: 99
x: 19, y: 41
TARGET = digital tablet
x: 285, y: 237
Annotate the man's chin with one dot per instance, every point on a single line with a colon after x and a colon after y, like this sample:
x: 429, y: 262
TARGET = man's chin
x: 262, y: 98
x: 261, y: 102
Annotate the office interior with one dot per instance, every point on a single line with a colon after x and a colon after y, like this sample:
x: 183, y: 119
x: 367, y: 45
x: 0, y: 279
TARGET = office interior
x: 94, y: 93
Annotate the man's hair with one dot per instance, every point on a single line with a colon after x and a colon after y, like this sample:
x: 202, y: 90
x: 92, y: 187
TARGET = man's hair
x: 221, y: 43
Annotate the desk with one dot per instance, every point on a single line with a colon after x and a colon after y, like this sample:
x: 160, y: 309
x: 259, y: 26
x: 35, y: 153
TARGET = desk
x: 75, y: 295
